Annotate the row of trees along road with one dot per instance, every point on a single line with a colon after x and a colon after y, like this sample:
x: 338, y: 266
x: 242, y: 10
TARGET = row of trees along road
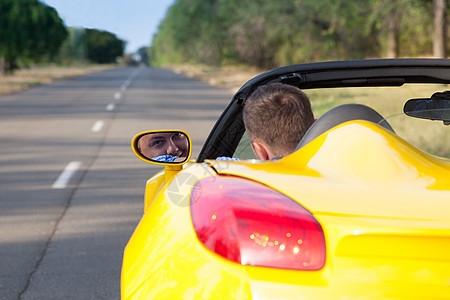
x: 90, y: 45
x: 32, y: 32
x: 270, y: 33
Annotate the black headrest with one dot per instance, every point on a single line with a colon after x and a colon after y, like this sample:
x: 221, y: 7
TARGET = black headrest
x: 339, y: 115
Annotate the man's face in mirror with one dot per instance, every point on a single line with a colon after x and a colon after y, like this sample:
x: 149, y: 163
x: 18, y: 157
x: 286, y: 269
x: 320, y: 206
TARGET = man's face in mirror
x: 164, y: 143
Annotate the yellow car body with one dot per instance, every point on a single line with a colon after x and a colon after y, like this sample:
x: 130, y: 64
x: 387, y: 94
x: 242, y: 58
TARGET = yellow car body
x: 384, y: 239
x: 383, y: 206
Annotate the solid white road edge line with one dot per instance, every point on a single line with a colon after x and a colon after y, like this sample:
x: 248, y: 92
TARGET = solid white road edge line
x: 66, y: 174
x: 97, y: 126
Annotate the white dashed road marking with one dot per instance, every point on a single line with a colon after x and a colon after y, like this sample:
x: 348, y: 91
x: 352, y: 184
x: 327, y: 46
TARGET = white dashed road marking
x: 97, y: 126
x: 66, y: 174
x: 110, y: 107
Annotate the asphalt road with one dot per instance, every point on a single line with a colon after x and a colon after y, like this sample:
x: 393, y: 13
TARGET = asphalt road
x: 71, y: 190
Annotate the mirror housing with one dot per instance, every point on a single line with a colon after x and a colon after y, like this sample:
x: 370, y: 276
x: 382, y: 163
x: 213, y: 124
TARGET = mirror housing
x: 163, y: 147
x: 435, y: 108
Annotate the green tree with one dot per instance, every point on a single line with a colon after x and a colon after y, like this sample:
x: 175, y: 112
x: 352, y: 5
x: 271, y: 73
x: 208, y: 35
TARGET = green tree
x: 143, y: 54
x: 269, y: 33
x: 29, y: 31
x: 192, y: 31
x: 404, y: 26
x: 102, y: 46
x: 439, y: 28
x: 73, y: 50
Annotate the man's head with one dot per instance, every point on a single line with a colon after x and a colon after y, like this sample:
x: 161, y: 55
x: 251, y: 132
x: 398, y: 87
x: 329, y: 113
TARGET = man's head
x: 276, y: 116
x: 164, y: 143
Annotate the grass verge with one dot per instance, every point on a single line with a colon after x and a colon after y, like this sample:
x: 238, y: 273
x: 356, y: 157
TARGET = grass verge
x: 26, y: 78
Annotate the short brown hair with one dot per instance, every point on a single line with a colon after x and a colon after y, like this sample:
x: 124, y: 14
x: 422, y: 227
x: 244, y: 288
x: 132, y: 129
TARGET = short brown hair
x: 278, y: 115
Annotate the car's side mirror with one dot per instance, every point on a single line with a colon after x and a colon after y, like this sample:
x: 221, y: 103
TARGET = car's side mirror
x: 435, y: 108
x: 163, y: 147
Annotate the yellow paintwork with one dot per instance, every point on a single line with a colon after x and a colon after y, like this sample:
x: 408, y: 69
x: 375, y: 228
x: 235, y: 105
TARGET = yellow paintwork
x: 383, y: 204
x: 152, y: 188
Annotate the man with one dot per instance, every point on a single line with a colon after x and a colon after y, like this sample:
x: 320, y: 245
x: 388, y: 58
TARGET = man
x: 276, y: 117
x: 164, y: 146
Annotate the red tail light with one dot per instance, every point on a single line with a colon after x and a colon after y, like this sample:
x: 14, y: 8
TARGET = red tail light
x: 252, y: 224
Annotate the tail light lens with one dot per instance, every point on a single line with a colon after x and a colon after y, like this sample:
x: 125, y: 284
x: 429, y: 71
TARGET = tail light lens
x: 252, y: 224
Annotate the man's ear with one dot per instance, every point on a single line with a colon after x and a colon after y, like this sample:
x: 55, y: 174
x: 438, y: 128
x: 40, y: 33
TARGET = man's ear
x: 261, y: 150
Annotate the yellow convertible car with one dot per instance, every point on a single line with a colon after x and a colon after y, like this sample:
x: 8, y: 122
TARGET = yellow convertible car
x: 360, y: 210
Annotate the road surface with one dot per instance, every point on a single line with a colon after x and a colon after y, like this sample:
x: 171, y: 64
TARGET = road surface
x: 71, y: 190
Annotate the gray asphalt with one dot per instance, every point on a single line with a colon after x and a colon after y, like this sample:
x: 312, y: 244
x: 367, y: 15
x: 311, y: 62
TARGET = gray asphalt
x: 67, y: 242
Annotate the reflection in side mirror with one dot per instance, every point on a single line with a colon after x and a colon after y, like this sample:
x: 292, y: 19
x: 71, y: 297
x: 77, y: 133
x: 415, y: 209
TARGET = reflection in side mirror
x: 162, y: 147
x: 430, y: 108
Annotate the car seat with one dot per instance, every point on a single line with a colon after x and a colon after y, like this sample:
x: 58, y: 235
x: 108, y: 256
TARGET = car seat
x: 341, y: 114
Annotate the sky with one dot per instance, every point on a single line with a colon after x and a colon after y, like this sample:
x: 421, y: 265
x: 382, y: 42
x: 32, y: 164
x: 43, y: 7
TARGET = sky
x: 135, y: 21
